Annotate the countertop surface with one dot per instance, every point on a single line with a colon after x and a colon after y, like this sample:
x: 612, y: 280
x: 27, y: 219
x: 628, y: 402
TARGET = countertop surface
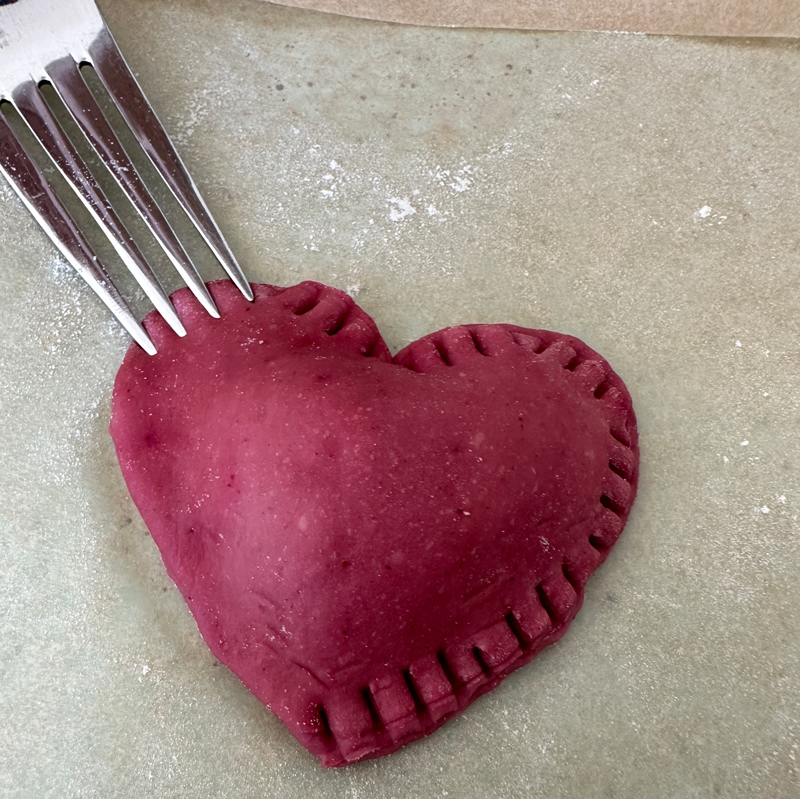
x: 639, y: 192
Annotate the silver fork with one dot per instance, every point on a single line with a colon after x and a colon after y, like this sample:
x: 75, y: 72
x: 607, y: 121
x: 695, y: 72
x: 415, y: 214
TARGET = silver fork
x: 47, y: 41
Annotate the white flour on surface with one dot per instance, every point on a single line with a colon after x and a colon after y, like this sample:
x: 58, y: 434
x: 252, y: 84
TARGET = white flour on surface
x: 577, y: 214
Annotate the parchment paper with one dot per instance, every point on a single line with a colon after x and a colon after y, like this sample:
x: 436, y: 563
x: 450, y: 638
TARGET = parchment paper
x: 639, y: 192
x: 686, y: 17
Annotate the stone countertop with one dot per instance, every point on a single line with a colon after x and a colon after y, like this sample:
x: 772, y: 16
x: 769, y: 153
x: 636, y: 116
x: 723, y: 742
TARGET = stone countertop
x: 642, y: 193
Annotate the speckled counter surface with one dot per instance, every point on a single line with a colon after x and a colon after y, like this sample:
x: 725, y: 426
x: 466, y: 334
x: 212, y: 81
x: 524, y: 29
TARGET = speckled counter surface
x: 642, y: 193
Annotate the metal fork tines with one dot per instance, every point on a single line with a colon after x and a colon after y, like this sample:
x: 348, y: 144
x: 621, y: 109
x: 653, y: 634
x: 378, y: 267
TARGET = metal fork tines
x: 47, y: 41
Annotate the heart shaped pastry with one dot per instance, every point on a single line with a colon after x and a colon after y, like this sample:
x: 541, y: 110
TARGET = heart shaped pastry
x: 370, y: 542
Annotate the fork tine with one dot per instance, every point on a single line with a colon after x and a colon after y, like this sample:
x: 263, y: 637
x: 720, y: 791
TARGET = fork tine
x: 68, y: 82
x: 31, y: 105
x: 32, y: 188
x: 132, y: 104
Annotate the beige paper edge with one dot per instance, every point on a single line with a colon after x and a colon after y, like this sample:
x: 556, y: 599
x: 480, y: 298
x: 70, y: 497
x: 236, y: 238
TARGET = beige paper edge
x: 773, y: 18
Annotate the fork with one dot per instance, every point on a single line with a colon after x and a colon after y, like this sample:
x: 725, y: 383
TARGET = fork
x: 47, y: 42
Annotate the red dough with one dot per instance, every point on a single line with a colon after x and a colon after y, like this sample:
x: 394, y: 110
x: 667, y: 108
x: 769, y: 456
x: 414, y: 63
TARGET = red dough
x: 370, y: 543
